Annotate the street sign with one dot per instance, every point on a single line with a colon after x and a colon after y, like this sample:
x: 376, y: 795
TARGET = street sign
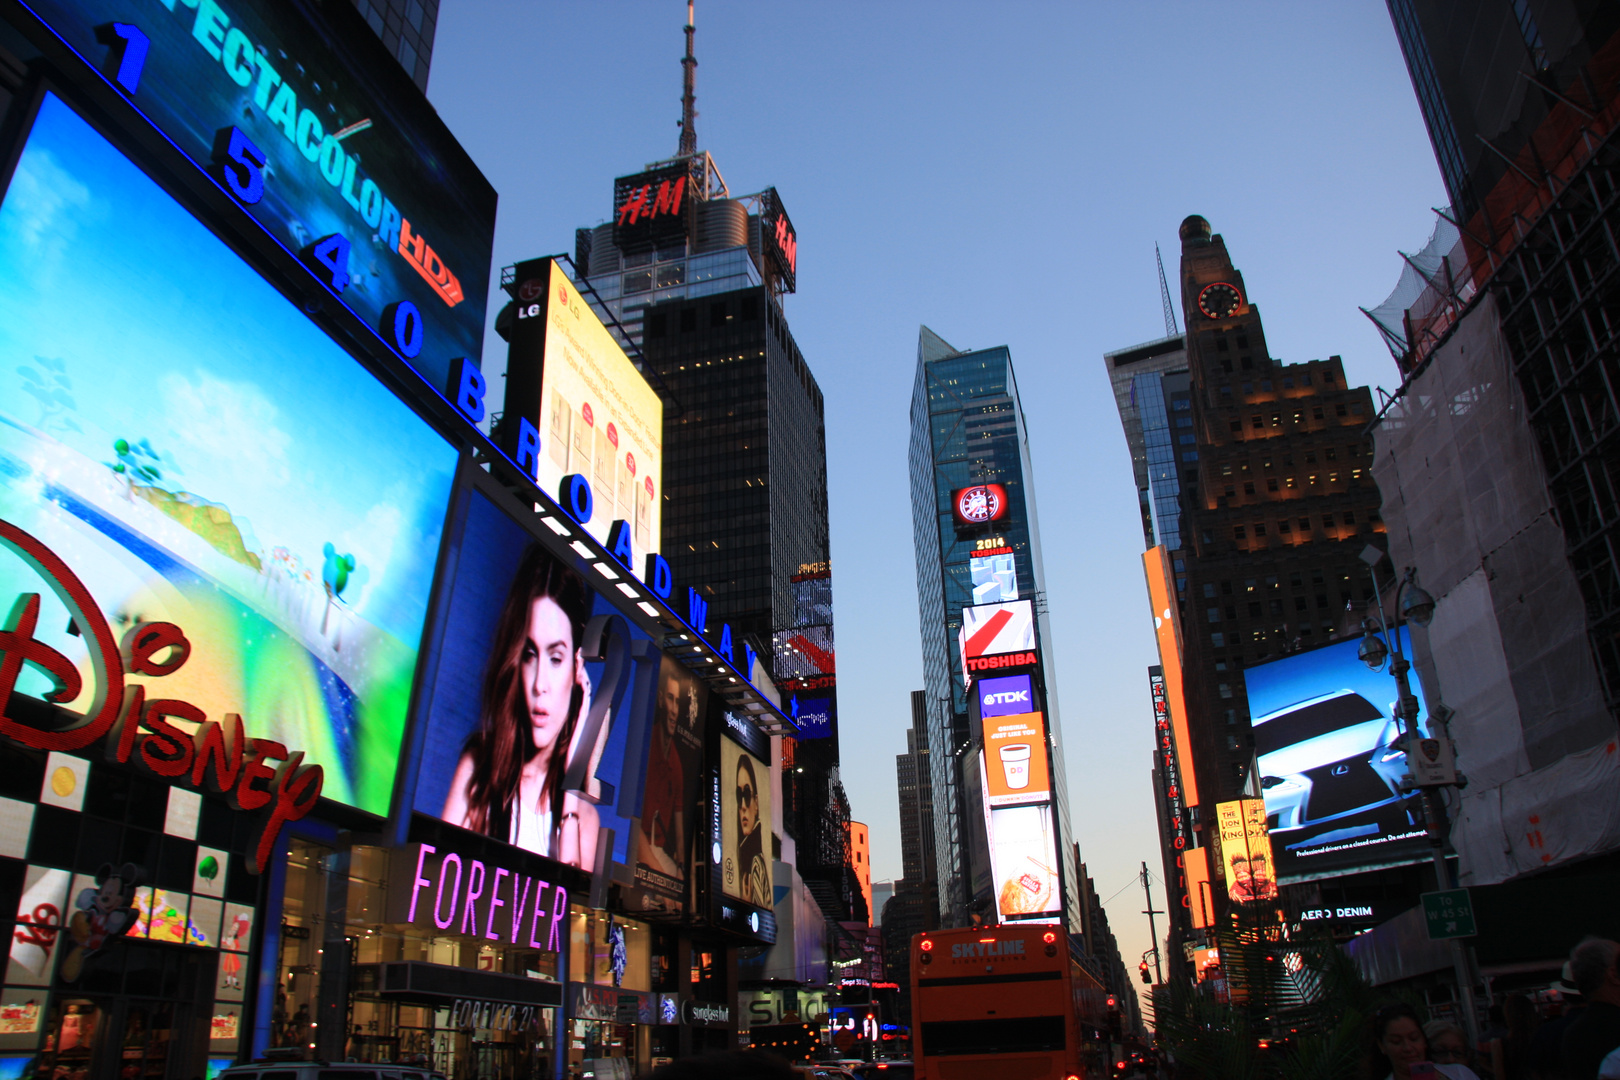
x: 1450, y: 914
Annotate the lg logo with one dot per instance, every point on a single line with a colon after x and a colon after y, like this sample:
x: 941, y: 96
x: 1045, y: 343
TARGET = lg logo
x: 1011, y: 697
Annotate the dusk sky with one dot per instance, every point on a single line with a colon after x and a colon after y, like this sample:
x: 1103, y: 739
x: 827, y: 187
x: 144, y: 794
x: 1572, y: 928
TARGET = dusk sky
x: 1000, y: 173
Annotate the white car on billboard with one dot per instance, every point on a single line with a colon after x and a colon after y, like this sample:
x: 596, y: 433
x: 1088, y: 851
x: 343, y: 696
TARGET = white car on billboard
x: 1330, y: 770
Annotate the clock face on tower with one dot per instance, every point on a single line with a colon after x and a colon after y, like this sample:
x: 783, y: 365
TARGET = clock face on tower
x: 1219, y: 300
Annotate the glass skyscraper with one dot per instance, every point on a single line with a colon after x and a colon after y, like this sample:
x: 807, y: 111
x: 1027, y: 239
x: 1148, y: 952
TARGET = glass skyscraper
x: 967, y: 428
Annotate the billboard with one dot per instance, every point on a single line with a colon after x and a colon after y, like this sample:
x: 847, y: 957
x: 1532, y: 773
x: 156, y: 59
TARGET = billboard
x: 1015, y: 759
x: 994, y: 576
x: 1167, y: 633
x: 745, y: 826
x: 779, y: 239
x: 979, y: 504
x: 340, y: 149
x: 1024, y: 860
x: 1242, y: 850
x: 814, y: 715
x: 804, y: 651
x: 669, y: 796
x: 202, y: 454
x: 997, y: 636
x: 650, y: 208
x: 527, y: 658
x: 594, y: 413
x: 1331, y: 761
x: 1006, y: 696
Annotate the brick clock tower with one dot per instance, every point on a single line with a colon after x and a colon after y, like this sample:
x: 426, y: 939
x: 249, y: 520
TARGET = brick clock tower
x: 1275, y: 517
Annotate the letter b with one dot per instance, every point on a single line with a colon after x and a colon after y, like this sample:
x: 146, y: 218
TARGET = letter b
x: 469, y: 387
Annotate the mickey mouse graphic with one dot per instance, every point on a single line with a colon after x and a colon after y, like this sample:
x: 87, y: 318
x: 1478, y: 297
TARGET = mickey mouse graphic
x: 105, y: 912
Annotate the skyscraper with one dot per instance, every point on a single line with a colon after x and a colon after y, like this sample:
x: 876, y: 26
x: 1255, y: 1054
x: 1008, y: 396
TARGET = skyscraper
x: 913, y: 771
x: 406, y: 28
x: 977, y: 547
x: 1255, y: 482
x: 693, y: 281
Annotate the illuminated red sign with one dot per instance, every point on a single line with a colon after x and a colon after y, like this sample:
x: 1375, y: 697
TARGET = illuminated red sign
x: 780, y: 241
x: 979, y: 505
x: 214, y: 757
x: 1000, y: 661
x: 642, y: 204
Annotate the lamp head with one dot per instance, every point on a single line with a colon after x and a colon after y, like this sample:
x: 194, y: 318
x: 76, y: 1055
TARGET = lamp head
x: 1373, y: 651
x: 1417, y: 606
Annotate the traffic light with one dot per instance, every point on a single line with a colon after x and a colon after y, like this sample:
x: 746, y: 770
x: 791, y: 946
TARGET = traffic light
x: 1147, y: 980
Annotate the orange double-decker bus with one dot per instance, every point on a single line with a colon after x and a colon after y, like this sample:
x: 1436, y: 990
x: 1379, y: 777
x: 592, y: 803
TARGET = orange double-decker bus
x: 1003, y: 1002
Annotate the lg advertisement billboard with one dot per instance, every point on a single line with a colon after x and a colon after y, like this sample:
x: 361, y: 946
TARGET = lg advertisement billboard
x: 591, y: 413
x: 203, y: 455
x: 1331, y: 764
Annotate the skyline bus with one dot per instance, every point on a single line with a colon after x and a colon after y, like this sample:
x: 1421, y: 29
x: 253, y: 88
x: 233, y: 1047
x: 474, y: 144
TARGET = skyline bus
x: 983, y: 997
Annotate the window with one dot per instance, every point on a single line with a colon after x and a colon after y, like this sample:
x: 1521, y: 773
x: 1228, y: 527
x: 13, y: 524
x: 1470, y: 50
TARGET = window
x: 1331, y: 453
x: 1226, y: 588
x: 1340, y: 409
x: 657, y: 325
x: 717, y: 313
x: 1226, y: 391
x: 1246, y: 363
x: 1224, y: 689
x: 1349, y: 517
x: 1316, y: 412
x: 671, y: 274
x: 1183, y: 421
x: 1248, y: 487
x: 1355, y: 407
x: 688, y: 320
x: 1257, y: 422
x: 1226, y: 366
x: 1181, y: 404
x: 1231, y: 491
x: 1265, y: 386
x: 1276, y: 420
x: 1237, y: 428
x: 1288, y: 481
x: 1209, y: 589
x: 1283, y: 527
x: 1276, y: 607
x: 1220, y: 343
x: 1218, y: 640
x: 1239, y: 532
x: 1310, y: 457
x: 1321, y: 600
x: 1299, y: 603
x: 1327, y: 376
x: 1305, y: 526
x: 1271, y: 483
x: 1213, y: 613
x: 1254, y: 610
x: 1333, y: 478
x: 1187, y: 438
x: 1243, y: 341
x: 1248, y: 585
x: 1226, y: 468
x: 1248, y: 388
x: 638, y: 282
x: 1288, y: 384
x: 1305, y: 380
x: 1327, y: 521
x: 1231, y: 716
x: 1260, y: 529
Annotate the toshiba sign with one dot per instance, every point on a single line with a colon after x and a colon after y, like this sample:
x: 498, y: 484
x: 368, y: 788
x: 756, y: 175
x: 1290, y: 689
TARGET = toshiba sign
x: 995, y: 637
x: 977, y: 664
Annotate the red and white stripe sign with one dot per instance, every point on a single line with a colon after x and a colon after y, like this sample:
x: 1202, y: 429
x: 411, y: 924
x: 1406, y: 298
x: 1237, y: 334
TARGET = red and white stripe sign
x: 991, y: 629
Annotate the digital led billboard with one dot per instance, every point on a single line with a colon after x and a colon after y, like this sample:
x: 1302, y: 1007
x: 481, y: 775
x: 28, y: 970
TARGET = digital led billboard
x: 745, y: 826
x: 1331, y: 762
x: 594, y: 414
x: 669, y: 797
x: 202, y: 454
x: 514, y: 690
x: 779, y: 239
x: 997, y: 636
x: 994, y: 577
x: 804, y: 651
x: 1015, y: 759
x: 979, y: 504
x: 1023, y: 860
x: 342, y: 149
x: 650, y: 208
x: 1242, y: 850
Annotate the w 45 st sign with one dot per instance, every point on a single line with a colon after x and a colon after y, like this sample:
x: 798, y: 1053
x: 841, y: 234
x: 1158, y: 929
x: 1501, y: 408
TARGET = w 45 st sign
x: 1450, y: 914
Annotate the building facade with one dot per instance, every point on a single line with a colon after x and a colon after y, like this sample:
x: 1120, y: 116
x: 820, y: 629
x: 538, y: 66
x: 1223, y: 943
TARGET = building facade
x: 967, y: 437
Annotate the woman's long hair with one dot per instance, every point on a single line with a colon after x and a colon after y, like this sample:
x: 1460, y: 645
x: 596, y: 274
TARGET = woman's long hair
x: 1378, y: 1064
x: 504, y: 741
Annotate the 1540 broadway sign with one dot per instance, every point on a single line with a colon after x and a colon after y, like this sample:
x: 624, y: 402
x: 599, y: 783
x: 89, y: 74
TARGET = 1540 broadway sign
x: 180, y: 744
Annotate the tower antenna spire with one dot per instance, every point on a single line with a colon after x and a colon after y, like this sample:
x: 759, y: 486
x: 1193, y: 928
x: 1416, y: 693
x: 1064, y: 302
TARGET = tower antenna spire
x: 1170, y: 328
x: 689, y: 98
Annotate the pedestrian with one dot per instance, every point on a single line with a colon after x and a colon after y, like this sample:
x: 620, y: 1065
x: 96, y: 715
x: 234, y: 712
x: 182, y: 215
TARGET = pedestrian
x: 1400, y: 1044
x: 1591, y: 1036
x: 1448, y: 1045
x: 1520, y: 1019
x: 1546, y: 1045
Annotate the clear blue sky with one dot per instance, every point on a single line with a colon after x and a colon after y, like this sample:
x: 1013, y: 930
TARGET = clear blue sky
x: 999, y: 172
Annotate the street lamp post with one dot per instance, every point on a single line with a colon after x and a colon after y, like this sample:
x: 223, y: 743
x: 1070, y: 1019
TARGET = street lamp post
x: 1415, y: 605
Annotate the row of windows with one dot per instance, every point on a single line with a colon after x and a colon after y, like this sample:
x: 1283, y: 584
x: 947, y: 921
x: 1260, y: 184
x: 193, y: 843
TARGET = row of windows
x: 1329, y: 453
x: 1279, y: 484
x: 1285, y: 526
x: 1257, y: 421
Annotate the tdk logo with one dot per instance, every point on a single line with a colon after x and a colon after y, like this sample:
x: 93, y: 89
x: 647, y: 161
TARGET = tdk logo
x: 1006, y: 695
x: 977, y: 950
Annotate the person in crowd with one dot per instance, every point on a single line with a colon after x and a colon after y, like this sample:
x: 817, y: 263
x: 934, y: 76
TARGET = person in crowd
x: 663, y: 817
x: 1591, y: 1036
x: 509, y: 781
x: 1400, y: 1045
x: 1546, y: 1045
x: 1448, y: 1044
x: 1518, y: 1027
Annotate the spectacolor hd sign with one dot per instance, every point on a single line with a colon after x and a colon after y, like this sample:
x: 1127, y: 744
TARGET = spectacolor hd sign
x: 314, y: 148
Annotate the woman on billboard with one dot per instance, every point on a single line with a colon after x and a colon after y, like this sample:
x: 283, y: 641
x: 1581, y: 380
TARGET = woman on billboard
x: 509, y: 781
x: 756, y: 873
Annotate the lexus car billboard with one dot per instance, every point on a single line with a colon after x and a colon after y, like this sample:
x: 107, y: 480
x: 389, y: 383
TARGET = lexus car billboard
x: 1331, y: 761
